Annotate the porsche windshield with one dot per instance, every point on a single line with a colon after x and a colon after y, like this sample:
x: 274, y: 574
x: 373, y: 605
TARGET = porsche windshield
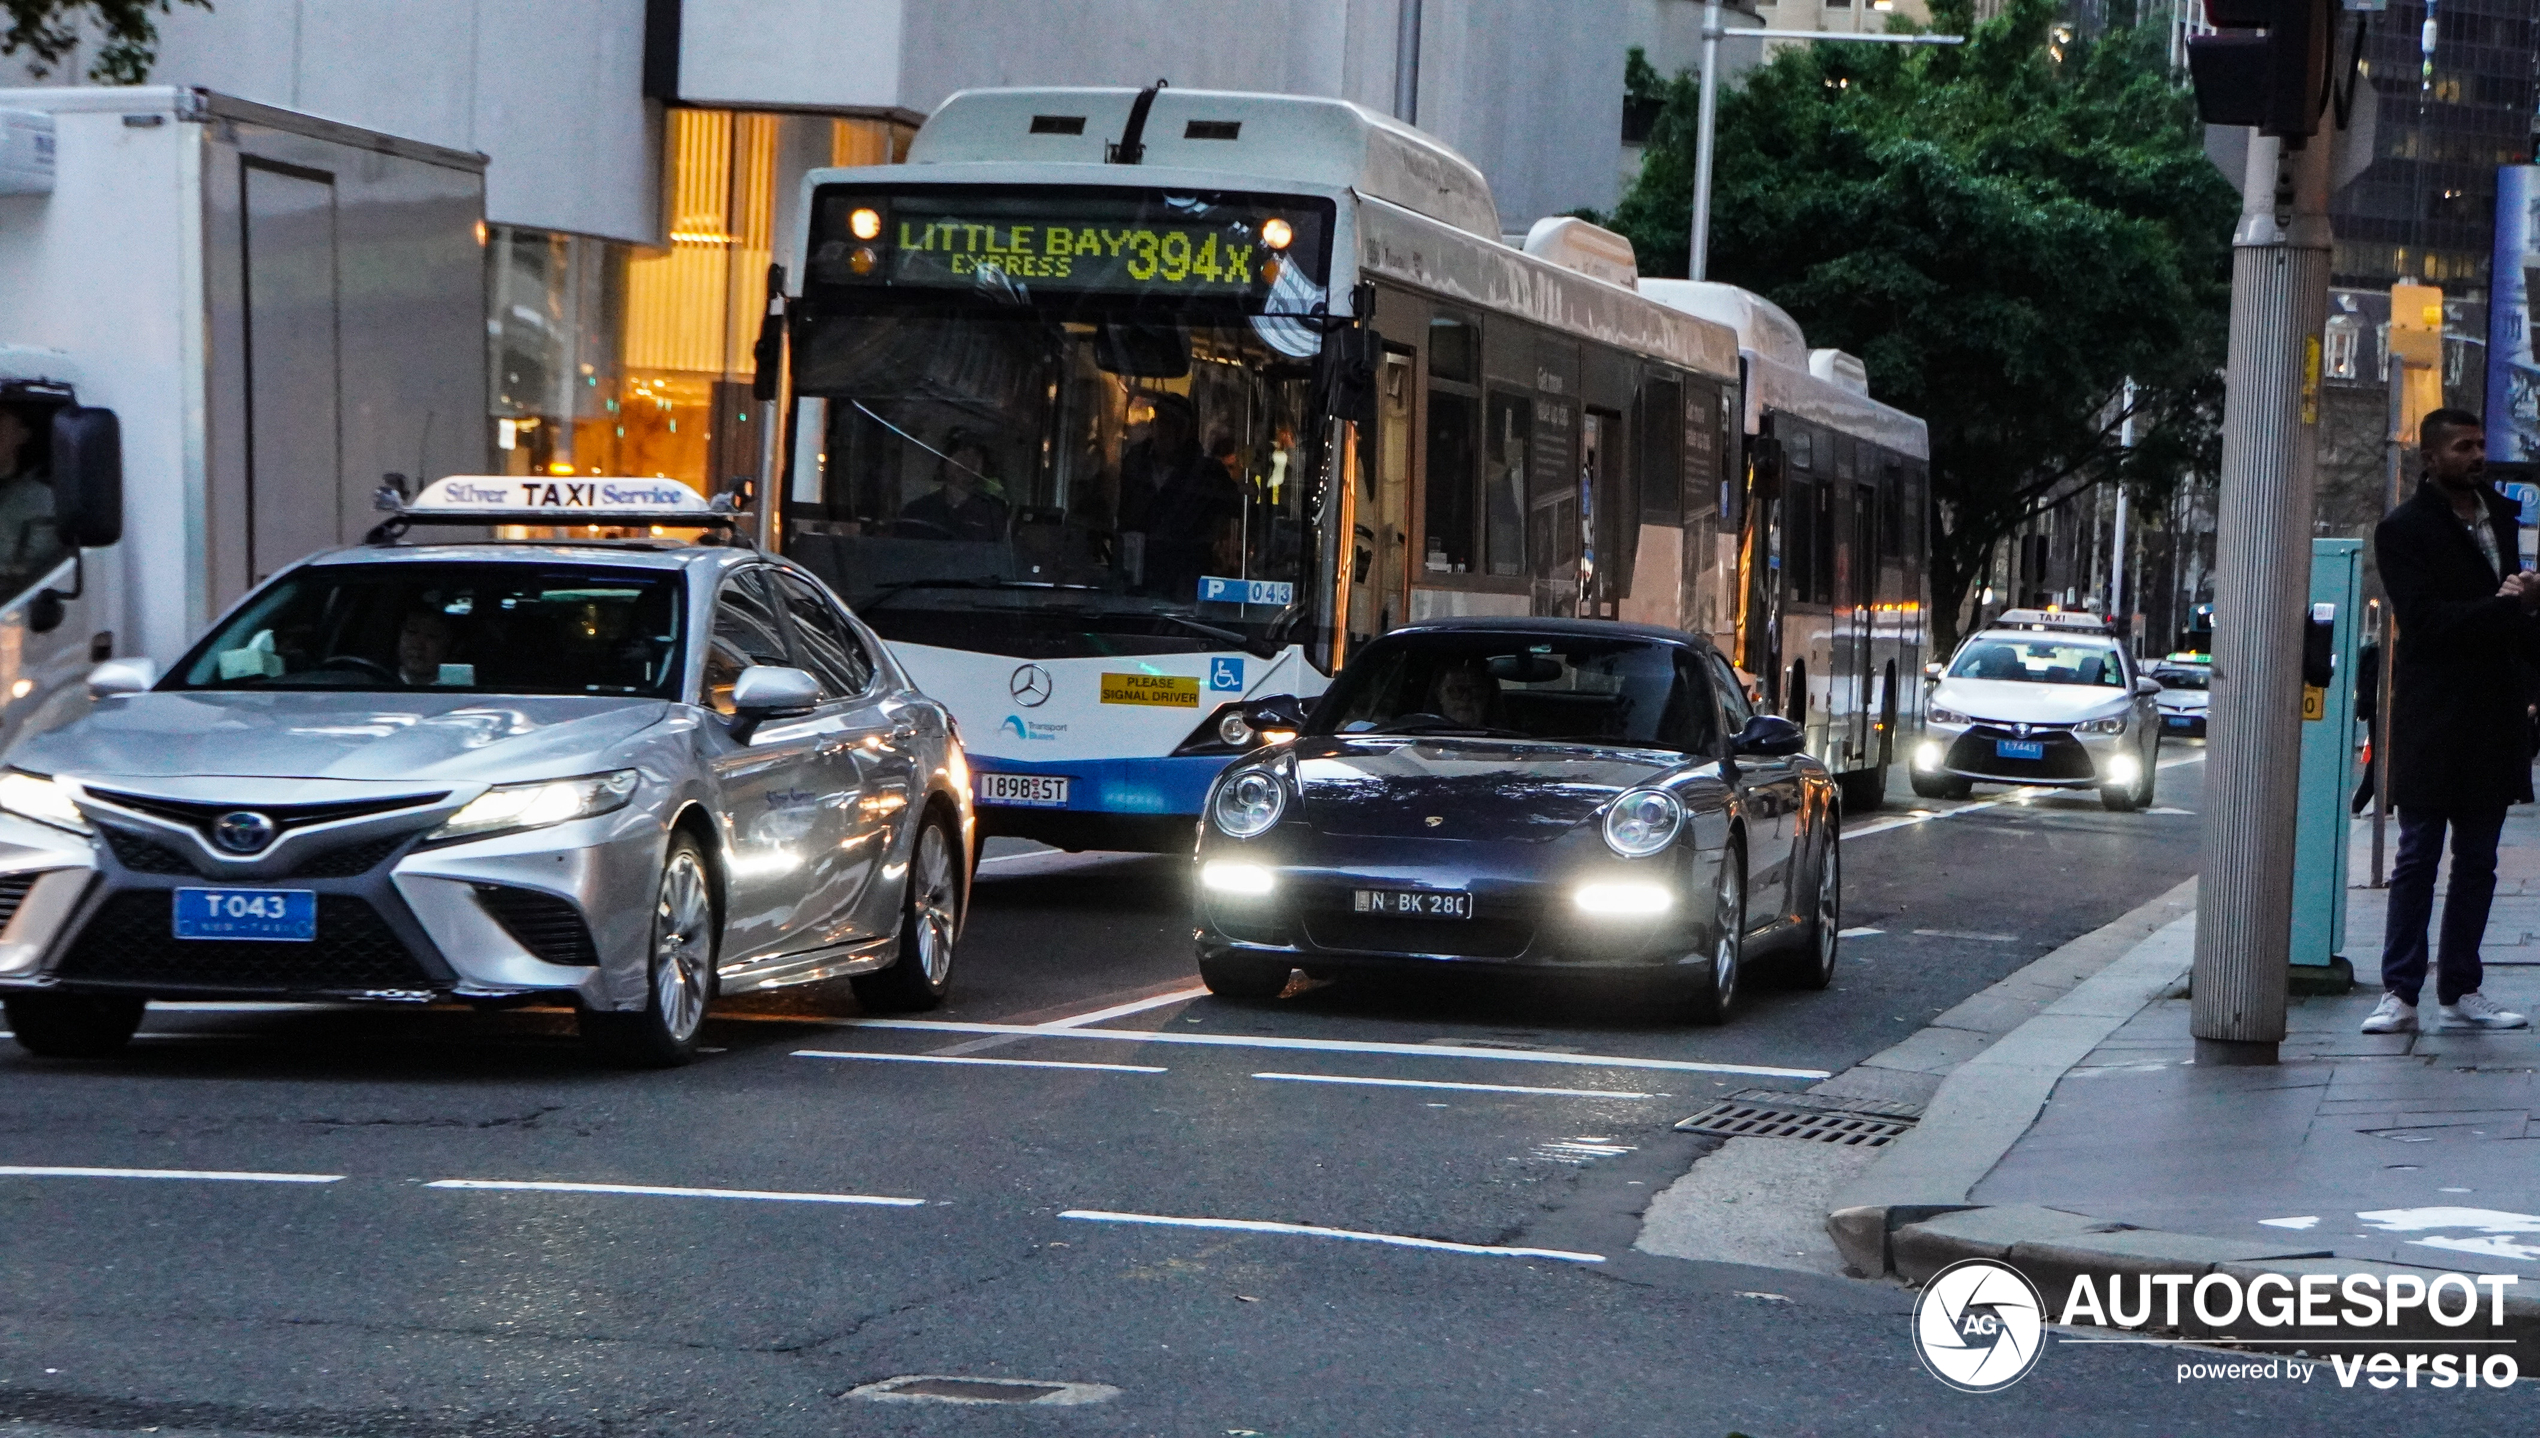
x: 454, y: 628
x: 1521, y: 686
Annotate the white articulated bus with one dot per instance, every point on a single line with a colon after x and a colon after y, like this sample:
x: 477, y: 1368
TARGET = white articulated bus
x: 1114, y: 410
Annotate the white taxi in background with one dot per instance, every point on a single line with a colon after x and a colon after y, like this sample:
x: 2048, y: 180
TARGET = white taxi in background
x: 2187, y: 682
x: 2043, y: 698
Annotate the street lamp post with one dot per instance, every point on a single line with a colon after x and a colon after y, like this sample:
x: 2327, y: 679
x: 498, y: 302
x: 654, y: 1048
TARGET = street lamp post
x: 1700, y: 263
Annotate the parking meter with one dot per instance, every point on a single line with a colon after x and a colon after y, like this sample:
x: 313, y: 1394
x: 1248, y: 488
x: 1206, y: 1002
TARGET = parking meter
x: 2332, y: 630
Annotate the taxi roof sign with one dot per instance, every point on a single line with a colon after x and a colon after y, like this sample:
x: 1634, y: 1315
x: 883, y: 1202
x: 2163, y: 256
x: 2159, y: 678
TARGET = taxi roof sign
x: 2071, y: 619
x: 601, y: 500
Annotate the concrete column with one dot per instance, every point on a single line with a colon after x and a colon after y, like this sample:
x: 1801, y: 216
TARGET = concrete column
x: 2279, y: 304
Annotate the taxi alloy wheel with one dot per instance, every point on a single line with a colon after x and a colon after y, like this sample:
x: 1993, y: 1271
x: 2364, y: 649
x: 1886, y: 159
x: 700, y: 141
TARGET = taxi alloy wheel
x: 930, y: 919
x: 1715, y: 1000
x: 73, y: 1026
x: 679, y: 976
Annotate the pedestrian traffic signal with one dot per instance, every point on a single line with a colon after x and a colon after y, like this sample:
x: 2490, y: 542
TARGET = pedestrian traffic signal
x: 2269, y: 69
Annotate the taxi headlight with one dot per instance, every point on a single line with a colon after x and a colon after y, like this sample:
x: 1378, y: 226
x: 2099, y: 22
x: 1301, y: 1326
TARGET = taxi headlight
x: 1642, y: 822
x: 1248, y: 804
x: 507, y: 807
x: 1938, y: 715
x: 37, y: 797
x: 2101, y: 726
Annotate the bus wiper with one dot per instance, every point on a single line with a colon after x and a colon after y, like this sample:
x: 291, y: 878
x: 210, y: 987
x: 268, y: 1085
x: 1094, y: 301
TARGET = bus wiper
x: 1258, y: 648
x: 888, y: 591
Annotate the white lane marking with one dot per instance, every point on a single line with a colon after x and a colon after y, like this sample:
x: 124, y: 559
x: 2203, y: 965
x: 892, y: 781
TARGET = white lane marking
x: 2016, y: 796
x: 1397, y: 1240
x: 649, y: 1191
x: 233, y: 1006
x: 1122, y: 1011
x: 1263, y: 1041
x: 2306, y: 1221
x: 987, y: 1063
x: 1857, y: 933
x: 1964, y: 934
x: 1463, y: 1087
x: 208, y: 1175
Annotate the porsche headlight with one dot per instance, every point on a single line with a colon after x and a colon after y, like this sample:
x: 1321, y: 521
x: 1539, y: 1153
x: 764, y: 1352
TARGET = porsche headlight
x: 507, y: 807
x: 2101, y: 726
x: 1938, y: 715
x: 1248, y: 804
x: 1642, y: 822
x: 34, y: 796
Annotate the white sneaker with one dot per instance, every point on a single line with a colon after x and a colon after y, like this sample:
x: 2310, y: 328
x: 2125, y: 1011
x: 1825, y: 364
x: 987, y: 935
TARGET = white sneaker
x: 2477, y: 1011
x: 2394, y: 1016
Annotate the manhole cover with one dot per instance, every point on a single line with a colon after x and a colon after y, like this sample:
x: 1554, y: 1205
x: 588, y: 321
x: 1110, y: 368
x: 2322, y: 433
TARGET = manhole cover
x: 945, y: 1388
x: 1739, y: 1118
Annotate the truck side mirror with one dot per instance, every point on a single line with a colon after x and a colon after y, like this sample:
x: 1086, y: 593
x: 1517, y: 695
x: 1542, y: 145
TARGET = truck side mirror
x: 88, y: 477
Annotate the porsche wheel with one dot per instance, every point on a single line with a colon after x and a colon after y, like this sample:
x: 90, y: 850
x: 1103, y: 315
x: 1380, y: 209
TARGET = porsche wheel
x: 930, y: 919
x: 73, y: 1026
x: 1245, y: 980
x: 1714, y: 1000
x: 1812, y: 967
x: 679, y: 980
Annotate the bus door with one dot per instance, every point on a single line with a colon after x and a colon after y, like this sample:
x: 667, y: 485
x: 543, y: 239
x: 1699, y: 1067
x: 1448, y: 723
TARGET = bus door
x: 1380, y: 588
x: 1857, y: 604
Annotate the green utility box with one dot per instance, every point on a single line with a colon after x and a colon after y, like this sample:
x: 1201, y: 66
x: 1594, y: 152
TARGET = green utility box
x: 2328, y: 767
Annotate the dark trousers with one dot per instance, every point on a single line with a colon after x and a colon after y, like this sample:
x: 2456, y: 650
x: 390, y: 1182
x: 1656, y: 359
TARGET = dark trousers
x: 2464, y: 903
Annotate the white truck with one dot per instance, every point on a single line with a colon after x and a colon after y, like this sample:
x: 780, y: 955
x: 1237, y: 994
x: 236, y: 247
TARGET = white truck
x: 267, y: 310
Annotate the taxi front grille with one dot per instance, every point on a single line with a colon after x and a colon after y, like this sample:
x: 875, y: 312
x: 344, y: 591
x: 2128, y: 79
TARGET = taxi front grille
x: 131, y: 942
x: 545, y: 925
x: 144, y: 855
x: 13, y: 891
x: 1977, y: 752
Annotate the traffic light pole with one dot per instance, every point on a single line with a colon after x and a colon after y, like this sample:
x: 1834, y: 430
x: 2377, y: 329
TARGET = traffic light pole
x: 2279, y: 304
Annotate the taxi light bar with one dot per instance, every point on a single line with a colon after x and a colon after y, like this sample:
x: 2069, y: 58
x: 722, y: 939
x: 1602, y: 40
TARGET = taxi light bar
x: 2071, y: 619
x: 610, y: 501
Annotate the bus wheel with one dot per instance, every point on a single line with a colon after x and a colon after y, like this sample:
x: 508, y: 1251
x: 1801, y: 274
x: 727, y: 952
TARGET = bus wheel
x: 1863, y: 789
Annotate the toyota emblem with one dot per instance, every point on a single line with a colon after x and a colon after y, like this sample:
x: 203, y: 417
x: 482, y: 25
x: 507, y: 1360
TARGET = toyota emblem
x: 1030, y: 686
x: 244, y: 832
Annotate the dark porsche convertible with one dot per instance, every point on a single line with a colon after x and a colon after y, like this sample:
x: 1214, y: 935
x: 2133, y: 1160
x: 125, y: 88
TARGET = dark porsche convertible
x: 1545, y: 795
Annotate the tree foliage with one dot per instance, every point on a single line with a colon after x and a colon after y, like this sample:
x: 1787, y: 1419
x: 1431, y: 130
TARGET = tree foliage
x: 2004, y: 231
x: 49, y: 31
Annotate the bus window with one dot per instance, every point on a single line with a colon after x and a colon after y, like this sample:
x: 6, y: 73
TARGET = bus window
x: 1507, y: 446
x: 1799, y: 535
x: 1662, y: 453
x: 1822, y: 531
x: 1452, y: 350
x: 1447, y: 514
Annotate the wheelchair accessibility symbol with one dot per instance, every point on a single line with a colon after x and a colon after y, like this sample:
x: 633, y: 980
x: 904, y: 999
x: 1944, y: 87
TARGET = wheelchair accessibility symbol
x: 1226, y: 676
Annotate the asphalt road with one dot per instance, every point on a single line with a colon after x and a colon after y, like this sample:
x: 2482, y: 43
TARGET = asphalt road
x: 849, y: 1216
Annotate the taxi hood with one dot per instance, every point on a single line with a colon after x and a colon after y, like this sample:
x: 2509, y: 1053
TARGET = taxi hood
x: 2011, y: 701
x: 1395, y: 786
x: 397, y: 737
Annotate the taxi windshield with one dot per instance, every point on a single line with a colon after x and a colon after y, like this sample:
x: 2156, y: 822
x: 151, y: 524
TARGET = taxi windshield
x: 455, y: 628
x: 1516, y: 686
x: 2039, y: 661
x: 2183, y: 678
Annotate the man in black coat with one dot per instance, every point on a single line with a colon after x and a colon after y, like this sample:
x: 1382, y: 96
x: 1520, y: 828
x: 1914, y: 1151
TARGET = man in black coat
x: 2460, y: 739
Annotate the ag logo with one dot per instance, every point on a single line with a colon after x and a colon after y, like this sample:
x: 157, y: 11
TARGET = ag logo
x: 1979, y: 1326
x: 1030, y: 686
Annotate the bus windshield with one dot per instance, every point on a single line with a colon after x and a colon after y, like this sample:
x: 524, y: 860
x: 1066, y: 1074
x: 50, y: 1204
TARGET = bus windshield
x: 1054, y: 421
x: 1027, y: 484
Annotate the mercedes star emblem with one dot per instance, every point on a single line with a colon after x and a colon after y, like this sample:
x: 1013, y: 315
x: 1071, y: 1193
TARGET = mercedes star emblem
x: 1434, y: 820
x: 243, y: 832
x: 1030, y: 686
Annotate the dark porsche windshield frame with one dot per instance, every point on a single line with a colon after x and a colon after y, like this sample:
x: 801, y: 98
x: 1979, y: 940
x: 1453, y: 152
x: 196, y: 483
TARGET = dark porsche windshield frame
x: 451, y: 629
x: 1600, y: 689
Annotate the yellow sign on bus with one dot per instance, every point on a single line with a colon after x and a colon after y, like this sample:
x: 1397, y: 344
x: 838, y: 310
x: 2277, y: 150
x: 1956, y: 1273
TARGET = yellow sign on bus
x: 1179, y: 691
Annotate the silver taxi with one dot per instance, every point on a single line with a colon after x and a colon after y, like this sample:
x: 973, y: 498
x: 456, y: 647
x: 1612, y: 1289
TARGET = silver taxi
x: 629, y: 775
x: 2041, y: 698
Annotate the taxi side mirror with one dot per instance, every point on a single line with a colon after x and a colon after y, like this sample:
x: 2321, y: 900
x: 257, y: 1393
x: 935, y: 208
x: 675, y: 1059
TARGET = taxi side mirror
x: 770, y: 691
x: 2147, y: 686
x: 122, y: 676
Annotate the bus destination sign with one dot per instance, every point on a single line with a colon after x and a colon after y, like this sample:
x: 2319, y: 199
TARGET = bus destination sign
x: 1064, y: 243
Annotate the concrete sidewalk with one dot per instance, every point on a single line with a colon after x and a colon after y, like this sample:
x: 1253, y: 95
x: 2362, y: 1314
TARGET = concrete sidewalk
x: 2415, y: 1149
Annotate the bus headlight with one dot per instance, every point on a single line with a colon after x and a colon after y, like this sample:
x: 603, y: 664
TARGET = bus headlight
x: 1248, y: 804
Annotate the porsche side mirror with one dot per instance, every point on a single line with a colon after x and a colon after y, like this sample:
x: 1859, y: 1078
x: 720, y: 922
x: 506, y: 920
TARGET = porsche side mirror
x: 2147, y: 686
x: 1768, y: 736
x: 1278, y: 711
x: 122, y: 676
x: 770, y: 691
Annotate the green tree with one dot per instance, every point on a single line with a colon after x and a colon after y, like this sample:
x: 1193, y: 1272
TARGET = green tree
x: 2004, y: 231
x: 50, y: 30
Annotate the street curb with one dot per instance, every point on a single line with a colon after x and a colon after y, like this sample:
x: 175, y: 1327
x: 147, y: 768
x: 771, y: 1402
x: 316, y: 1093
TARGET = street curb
x: 1985, y: 1104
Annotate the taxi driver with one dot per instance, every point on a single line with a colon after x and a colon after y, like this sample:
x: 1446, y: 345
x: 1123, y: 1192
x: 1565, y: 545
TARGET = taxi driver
x: 423, y: 641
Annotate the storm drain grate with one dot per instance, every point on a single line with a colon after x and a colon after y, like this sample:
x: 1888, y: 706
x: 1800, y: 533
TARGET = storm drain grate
x: 943, y: 1388
x: 1781, y: 1115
